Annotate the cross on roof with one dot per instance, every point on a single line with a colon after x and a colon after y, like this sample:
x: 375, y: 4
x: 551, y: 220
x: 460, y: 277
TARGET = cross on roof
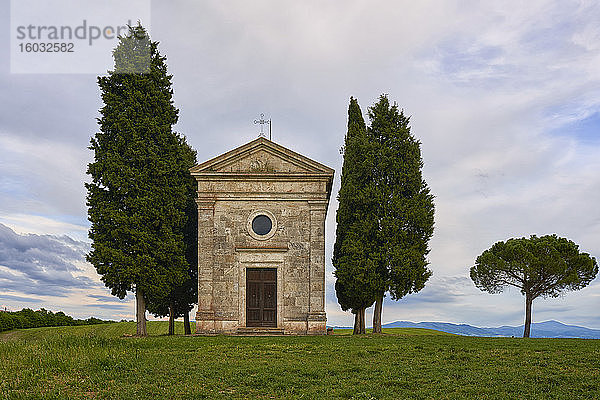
x: 262, y: 121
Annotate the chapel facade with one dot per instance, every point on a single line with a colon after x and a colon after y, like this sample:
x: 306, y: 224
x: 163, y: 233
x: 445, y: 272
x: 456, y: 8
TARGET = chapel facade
x: 261, y: 241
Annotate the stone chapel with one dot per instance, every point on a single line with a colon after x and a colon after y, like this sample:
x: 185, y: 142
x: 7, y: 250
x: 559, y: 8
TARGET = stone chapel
x: 261, y: 241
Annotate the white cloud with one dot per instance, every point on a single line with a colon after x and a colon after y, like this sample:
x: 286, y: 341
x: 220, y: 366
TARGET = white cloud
x: 50, y: 271
x: 41, y: 176
x: 28, y: 223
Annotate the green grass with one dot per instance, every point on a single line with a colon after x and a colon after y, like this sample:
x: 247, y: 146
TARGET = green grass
x: 108, y: 331
x: 98, y: 362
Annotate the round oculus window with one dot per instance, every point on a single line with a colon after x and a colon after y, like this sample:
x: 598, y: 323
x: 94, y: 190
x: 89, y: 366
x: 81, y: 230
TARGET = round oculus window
x: 262, y: 225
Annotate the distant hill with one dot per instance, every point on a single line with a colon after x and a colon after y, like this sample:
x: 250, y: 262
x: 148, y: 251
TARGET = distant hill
x: 547, y: 329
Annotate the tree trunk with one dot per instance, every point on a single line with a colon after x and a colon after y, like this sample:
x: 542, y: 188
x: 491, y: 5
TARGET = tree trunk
x: 377, y: 314
x: 528, y: 301
x: 359, y: 322
x: 363, y: 320
x: 171, y: 318
x: 186, y: 323
x: 356, y: 322
x: 140, y: 312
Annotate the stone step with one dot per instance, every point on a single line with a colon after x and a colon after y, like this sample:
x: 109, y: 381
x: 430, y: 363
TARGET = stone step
x: 259, y: 331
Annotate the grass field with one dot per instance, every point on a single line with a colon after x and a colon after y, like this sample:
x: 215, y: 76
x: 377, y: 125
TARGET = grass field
x: 89, y: 362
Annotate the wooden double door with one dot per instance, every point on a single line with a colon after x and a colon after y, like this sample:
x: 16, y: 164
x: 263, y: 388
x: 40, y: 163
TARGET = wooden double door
x: 261, y: 297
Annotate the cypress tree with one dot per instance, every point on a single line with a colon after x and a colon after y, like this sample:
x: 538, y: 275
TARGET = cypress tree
x: 404, y: 206
x: 181, y: 299
x: 136, y: 205
x: 355, y: 268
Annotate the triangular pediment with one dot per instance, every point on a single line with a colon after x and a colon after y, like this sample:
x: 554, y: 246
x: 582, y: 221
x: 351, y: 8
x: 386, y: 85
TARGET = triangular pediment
x: 261, y: 156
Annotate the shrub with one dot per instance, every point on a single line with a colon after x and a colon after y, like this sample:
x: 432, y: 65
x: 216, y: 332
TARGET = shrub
x: 27, y: 318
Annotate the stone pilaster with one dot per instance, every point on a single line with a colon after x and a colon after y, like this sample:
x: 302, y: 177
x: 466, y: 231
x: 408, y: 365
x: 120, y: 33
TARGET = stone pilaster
x: 316, y: 320
x: 205, y: 317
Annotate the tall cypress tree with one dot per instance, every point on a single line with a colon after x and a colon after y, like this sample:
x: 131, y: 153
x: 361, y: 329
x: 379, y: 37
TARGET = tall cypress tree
x: 355, y: 267
x: 404, y: 206
x: 181, y: 299
x: 135, y: 208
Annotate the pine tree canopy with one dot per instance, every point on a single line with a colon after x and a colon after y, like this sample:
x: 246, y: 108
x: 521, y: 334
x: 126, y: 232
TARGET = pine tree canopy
x: 538, y: 266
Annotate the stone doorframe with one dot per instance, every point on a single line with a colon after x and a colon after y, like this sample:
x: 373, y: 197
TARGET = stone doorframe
x: 260, y: 258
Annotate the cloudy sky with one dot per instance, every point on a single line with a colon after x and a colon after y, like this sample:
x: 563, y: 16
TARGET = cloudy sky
x: 504, y: 96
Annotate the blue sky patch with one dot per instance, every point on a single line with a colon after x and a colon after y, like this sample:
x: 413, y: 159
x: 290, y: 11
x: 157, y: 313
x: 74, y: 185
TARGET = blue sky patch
x: 584, y: 130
